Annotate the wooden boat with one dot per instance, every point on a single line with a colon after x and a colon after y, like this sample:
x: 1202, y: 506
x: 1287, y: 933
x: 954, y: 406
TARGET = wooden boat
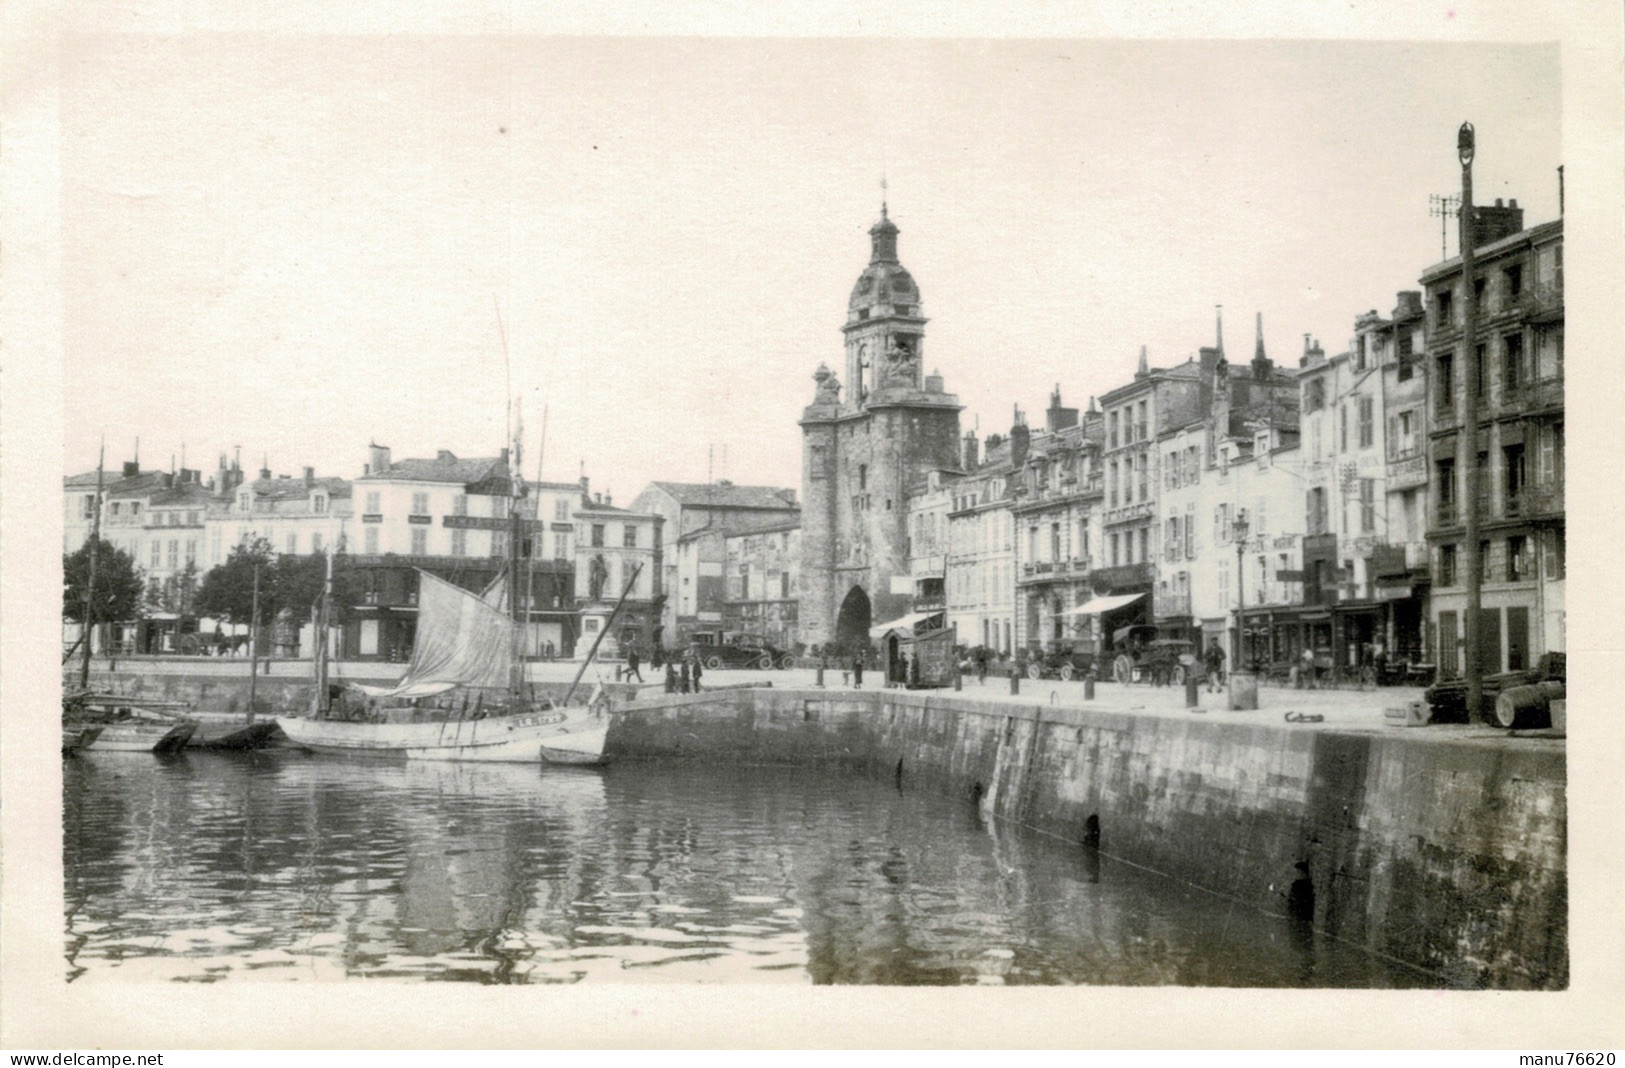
x: 122, y: 725
x: 231, y: 731
x: 463, y: 696
x: 77, y: 738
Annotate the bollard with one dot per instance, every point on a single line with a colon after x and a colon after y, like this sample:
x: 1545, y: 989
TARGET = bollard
x: 959, y: 681
x: 1015, y: 682
x: 820, y: 682
x: 1191, y: 699
x: 1089, y: 688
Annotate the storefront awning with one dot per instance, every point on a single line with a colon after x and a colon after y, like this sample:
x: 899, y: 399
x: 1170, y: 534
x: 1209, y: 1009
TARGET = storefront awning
x: 906, y: 623
x: 1103, y: 604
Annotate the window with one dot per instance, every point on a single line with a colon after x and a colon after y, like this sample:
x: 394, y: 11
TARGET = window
x: 420, y: 504
x: 1444, y: 309
x: 1404, y: 350
x: 1140, y: 463
x: 863, y: 476
x: 459, y: 504
x: 598, y: 535
x: 88, y: 510
x: 372, y: 503
x: 191, y: 550
x: 293, y: 544
x: 1115, y: 556
x: 1479, y: 384
x: 1111, y: 441
x: 1447, y: 565
x: 157, y: 552
x: 1512, y: 364
x: 1513, y: 276
x: 318, y: 503
x: 1190, y: 531
x: 1368, y: 505
x: 1484, y: 571
x: 1342, y: 428
x: 629, y: 537
x: 459, y: 542
x: 1316, y: 510
x: 1516, y: 475
x: 499, y: 543
x: 420, y: 541
x: 1518, y: 558
x: 1444, y: 383
x: 244, y: 500
x: 1170, y: 539
x: 1367, y: 421
x: 784, y: 585
x: 1314, y: 395
x: 1142, y: 425
x: 560, y: 546
x: 370, y: 541
x: 174, y: 553
x: 499, y: 507
x: 1478, y: 292
x: 1445, y: 484
x: 1145, y: 545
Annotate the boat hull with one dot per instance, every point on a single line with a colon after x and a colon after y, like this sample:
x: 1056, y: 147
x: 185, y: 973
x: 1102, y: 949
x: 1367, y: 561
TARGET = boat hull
x: 75, y: 739
x: 136, y: 737
x: 235, y: 735
x: 517, y: 738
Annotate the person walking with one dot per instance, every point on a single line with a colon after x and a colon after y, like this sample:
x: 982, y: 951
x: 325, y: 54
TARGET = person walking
x: 1213, y: 662
x: 671, y: 677
x: 857, y: 671
x: 632, y: 662
x: 683, y: 680
x: 697, y: 673
x: 981, y: 666
x: 1307, y: 661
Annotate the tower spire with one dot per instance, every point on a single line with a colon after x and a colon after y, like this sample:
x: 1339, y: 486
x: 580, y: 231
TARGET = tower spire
x: 1261, y: 361
x: 1218, y: 313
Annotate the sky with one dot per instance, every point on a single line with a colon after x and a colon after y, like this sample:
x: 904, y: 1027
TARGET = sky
x: 300, y: 245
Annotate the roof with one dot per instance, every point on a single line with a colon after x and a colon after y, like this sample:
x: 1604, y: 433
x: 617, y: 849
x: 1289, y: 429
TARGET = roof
x: 766, y: 528
x: 728, y: 495
x: 186, y: 493
x: 282, y: 489
x: 138, y: 485
x: 442, y: 468
x: 1531, y: 234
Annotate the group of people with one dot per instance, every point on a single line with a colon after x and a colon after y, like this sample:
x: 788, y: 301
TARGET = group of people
x: 682, y: 675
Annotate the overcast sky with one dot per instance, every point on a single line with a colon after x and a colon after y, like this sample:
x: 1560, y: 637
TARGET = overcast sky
x: 301, y: 245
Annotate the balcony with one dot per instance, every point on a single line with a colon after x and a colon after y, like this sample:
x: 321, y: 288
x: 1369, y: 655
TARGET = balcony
x: 1530, y: 397
x: 1123, y: 576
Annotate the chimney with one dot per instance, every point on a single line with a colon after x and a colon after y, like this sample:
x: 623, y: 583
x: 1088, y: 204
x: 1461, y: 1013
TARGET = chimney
x: 1020, y: 438
x: 1209, y: 359
x: 993, y: 442
x: 379, y: 459
x: 1144, y: 368
x: 585, y: 495
x: 933, y: 381
x: 446, y: 456
x: 608, y: 500
x: 968, y: 451
x: 1409, y: 306
x: 1491, y: 224
x: 1312, y: 352
x: 1059, y: 418
x: 132, y: 468
x: 598, y: 498
x: 501, y: 455
x: 310, y: 476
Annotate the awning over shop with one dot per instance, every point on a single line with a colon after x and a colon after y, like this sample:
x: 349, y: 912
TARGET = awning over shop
x: 906, y: 623
x: 1103, y: 604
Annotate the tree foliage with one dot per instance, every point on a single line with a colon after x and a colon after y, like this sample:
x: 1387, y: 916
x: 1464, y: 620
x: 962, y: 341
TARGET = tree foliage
x: 286, y: 581
x: 119, y: 585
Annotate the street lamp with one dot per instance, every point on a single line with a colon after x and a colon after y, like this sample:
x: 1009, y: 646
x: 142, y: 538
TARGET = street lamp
x: 1239, y: 530
x: 1467, y: 456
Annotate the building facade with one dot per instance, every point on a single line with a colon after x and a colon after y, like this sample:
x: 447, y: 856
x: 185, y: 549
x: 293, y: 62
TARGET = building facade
x: 862, y: 451
x: 763, y: 569
x: 1515, y: 360
x: 696, y: 517
x: 981, y: 565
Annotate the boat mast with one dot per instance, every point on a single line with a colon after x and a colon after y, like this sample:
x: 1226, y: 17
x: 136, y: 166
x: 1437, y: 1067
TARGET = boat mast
x: 516, y: 487
x: 318, y: 702
x: 90, y: 585
x: 253, y: 640
x: 608, y: 625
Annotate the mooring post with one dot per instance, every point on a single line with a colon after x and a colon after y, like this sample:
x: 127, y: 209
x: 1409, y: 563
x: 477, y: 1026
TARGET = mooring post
x: 1089, y: 688
x: 1191, y: 698
x: 1015, y: 681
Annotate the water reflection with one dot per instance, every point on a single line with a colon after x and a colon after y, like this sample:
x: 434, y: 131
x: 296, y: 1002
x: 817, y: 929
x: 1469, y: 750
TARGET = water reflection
x: 275, y: 865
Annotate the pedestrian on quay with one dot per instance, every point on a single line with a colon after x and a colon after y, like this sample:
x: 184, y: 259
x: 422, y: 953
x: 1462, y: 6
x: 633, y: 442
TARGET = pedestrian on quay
x: 671, y: 677
x: 632, y: 662
x: 697, y: 673
x: 1213, y: 662
x: 857, y: 671
x: 683, y: 680
x: 981, y: 665
x: 1307, y: 668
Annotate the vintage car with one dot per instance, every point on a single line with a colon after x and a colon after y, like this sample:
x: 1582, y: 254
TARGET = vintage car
x: 1062, y: 660
x: 1141, y: 656
x: 741, y: 651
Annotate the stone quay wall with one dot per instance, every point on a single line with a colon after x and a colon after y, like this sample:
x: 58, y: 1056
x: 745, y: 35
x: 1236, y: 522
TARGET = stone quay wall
x: 1436, y: 847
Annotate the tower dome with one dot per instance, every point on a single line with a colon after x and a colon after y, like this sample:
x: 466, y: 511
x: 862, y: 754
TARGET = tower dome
x: 885, y: 287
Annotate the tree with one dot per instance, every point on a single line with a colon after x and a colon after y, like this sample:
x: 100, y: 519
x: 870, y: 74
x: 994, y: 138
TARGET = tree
x: 227, y: 591
x: 119, y: 585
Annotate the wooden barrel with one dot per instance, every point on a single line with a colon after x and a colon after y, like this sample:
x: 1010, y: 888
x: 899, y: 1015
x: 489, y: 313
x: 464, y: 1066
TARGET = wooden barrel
x: 1526, y: 707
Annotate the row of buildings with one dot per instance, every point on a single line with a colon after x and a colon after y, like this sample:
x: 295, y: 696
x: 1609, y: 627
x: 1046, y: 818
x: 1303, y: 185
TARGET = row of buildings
x: 1274, y: 508
x: 1270, y: 508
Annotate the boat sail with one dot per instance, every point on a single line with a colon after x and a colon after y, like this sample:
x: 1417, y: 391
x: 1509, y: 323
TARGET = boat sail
x: 463, y: 696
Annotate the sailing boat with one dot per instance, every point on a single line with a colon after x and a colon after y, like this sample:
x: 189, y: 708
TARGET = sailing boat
x: 466, y: 662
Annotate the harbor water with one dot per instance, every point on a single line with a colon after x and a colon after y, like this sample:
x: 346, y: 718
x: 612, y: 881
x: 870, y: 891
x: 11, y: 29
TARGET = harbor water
x: 276, y: 865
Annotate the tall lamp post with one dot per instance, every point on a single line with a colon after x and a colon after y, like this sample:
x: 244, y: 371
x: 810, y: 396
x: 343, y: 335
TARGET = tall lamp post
x: 1467, y: 461
x: 1239, y: 529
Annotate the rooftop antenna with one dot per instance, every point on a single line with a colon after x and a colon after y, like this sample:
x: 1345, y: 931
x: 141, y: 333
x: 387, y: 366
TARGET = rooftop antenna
x: 1444, y: 207
x: 138, y: 454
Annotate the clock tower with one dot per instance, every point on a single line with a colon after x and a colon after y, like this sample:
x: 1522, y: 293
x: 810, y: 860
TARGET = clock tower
x: 864, y: 446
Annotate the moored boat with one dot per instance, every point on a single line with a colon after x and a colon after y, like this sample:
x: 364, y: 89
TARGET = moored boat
x: 123, y: 725
x: 77, y: 738
x: 229, y: 731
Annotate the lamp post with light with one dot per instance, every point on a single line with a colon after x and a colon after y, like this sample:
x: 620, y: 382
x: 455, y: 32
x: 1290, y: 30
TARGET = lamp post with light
x: 1239, y: 530
x: 1467, y: 458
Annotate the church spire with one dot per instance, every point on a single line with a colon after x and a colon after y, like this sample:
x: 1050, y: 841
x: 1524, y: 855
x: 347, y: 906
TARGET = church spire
x: 1261, y: 362
x: 1218, y: 312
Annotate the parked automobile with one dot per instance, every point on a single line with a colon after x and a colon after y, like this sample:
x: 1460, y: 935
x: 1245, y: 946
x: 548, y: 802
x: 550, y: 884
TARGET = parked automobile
x: 741, y: 651
x: 1141, y: 656
x: 1062, y: 660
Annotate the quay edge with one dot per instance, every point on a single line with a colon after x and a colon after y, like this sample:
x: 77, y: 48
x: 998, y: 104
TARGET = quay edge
x: 1444, y: 848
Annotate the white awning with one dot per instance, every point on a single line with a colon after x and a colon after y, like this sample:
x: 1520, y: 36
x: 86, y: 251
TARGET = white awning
x: 1103, y: 604
x: 908, y: 623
